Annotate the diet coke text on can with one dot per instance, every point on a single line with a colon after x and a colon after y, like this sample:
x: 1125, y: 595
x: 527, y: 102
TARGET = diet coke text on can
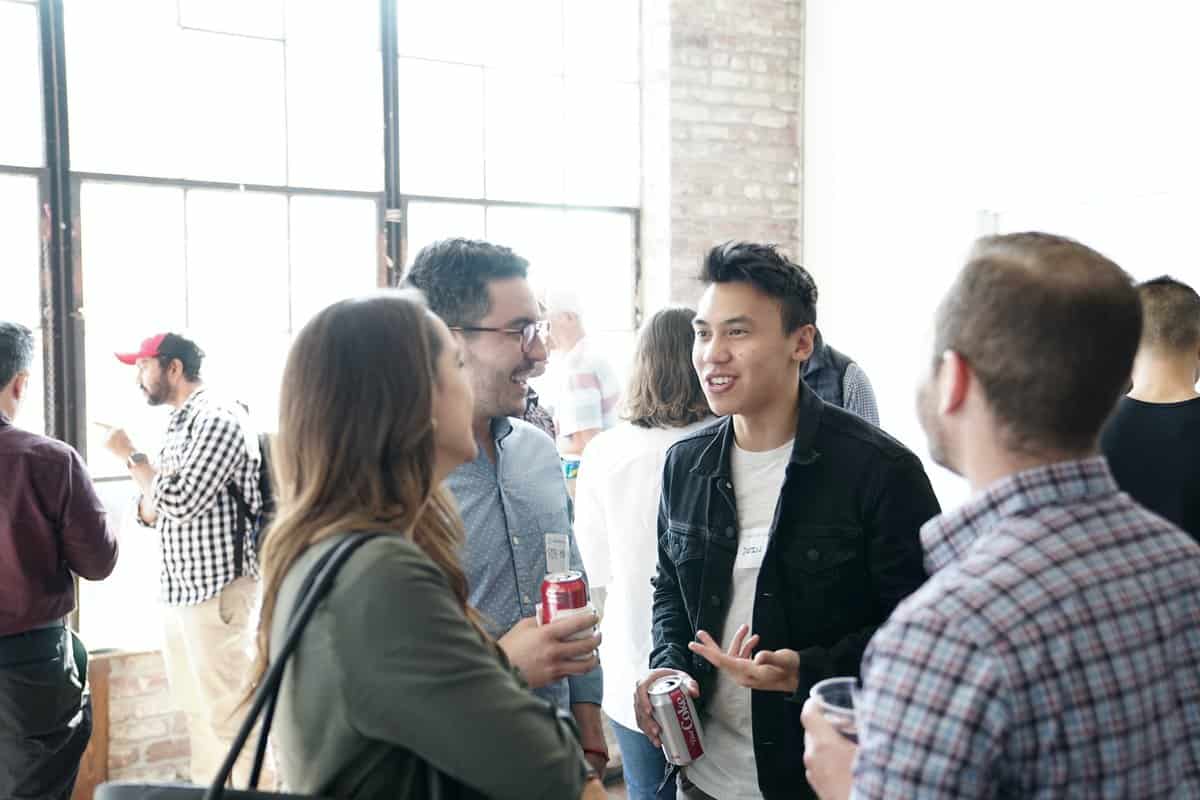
x: 563, y: 591
x: 675, y: 713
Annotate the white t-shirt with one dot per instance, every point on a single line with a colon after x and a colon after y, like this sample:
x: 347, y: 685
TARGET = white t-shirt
x: 616, y: 512
x: 728, y: 769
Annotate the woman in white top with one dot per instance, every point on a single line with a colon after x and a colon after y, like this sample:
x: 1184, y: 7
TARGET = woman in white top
x: 616, y: 508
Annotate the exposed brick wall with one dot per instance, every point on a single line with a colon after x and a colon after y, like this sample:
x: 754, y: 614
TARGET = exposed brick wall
x: 735, y: 147
x: 147, y: 739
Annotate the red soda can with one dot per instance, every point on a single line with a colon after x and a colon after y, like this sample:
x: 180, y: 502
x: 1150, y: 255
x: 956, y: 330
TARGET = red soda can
x: 675, y: 713
x: 562, y: 591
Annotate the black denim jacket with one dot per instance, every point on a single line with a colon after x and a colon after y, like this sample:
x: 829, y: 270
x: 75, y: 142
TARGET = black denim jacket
x: 844, y: 550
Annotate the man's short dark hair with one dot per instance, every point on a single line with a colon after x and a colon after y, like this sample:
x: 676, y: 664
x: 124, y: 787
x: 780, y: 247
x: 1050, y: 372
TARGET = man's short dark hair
x: 771, y: 272
x: 1170, y: 315
x: 190, y: 355
x: 454, y: 275
x: 1050, y: 328
x: 16, y: 351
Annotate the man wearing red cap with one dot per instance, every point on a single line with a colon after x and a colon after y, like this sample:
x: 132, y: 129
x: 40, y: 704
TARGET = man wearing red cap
x: 202, y: 495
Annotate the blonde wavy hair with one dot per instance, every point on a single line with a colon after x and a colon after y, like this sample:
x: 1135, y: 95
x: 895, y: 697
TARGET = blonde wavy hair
x: 355, y: 449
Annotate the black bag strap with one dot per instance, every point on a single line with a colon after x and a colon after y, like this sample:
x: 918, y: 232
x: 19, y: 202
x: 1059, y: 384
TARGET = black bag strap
x: 245, y: 519
x: 316, y: 585
x: 260, y: 749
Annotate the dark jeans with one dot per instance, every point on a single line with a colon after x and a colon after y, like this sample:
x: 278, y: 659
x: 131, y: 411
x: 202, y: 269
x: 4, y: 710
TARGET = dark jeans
x: 45, y: 713
x: 644, y: 766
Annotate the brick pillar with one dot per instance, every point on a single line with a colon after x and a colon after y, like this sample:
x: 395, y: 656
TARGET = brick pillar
x: 732, y: 144
x: 147, y: 740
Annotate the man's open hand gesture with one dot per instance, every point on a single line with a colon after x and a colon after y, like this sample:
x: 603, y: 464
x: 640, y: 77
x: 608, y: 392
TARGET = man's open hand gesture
x: 767, y: 671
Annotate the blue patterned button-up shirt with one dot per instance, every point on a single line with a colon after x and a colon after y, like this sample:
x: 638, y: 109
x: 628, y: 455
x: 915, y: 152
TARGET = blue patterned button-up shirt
x: 508, y: 507
x: 1054, y: 653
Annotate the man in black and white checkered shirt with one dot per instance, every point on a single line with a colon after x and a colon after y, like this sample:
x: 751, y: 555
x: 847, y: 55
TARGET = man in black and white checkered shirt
x: 209, y: 570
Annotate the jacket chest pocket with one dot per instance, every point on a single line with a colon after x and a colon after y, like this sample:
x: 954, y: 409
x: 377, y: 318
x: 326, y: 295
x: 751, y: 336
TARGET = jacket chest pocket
x: 684, y: 543
x: 826, y: 567
x: 686, y: 546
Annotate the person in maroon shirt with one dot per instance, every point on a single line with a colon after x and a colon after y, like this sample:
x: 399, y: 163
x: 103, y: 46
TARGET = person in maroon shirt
x: 52, y: 527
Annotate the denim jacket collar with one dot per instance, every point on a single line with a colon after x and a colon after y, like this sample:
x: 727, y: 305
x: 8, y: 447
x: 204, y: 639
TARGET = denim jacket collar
x: 714, y: 460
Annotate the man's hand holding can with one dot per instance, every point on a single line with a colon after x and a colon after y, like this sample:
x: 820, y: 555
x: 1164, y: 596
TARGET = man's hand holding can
x: 546, y: 653
x: 643, y: 708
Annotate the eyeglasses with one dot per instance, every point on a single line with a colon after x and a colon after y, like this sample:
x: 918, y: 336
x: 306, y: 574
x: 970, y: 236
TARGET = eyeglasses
x: 527, y: 332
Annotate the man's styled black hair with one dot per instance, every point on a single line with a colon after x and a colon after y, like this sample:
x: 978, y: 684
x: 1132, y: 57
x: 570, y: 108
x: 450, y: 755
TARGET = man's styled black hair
x: 771, y: 272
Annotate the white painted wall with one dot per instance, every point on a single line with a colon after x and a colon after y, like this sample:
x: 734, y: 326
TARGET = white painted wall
x: 1075, y: 117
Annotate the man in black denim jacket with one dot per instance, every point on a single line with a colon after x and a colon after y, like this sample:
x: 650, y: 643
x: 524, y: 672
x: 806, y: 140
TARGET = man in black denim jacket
x: 793, y: 566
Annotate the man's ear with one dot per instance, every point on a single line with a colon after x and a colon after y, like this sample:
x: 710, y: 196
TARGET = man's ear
x: 20, y: 383
x: 802, y: 342
x: 954, y: 381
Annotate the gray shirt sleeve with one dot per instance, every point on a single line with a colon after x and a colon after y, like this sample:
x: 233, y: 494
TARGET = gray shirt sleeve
x: 419, y: 676
x: 858, y: 395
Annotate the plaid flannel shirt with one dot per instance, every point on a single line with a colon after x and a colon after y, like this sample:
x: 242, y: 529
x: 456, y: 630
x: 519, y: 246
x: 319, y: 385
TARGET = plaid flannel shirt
x: 208, y: 443
x: 1055, y: 652
x: 858, y: 396
x: 537, y: 416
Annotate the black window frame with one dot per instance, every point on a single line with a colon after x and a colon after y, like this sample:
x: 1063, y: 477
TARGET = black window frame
x: 61, y: 268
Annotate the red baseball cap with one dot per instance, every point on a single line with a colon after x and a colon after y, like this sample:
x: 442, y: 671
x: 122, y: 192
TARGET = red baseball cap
x: 149, y: 349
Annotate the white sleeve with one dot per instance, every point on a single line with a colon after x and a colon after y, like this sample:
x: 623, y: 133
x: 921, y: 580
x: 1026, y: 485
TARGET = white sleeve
x: 591, y: 524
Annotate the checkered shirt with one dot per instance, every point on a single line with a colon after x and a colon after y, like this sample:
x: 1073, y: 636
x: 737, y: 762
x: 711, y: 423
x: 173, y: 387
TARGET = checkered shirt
x: 208, y: 443
x: 537, y: 416
x: 858, y: 396
x: 1055, y: 652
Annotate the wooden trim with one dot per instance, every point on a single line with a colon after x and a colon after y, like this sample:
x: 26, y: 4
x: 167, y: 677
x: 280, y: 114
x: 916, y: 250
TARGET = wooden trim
x: 93, y: 769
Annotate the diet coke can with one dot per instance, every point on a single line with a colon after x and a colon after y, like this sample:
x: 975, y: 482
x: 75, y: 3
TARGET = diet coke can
x: 563, y: 591
x: 675, y: 713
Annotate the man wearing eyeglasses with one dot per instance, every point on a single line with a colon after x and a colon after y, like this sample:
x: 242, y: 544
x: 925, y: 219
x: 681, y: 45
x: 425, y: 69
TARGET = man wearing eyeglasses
x: 512, y: 496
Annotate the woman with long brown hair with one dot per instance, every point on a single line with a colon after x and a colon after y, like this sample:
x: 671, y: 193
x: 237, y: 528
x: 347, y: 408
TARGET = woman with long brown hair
x: 394, y: 685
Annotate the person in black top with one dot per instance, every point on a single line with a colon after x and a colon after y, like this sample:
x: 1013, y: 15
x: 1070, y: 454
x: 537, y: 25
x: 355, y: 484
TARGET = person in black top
x: 1152, y: 441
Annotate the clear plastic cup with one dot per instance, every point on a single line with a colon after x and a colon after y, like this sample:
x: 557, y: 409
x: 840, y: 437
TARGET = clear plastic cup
x: 839, y: 699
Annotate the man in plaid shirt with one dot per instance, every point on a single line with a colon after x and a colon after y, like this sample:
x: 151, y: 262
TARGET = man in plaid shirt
x: 1055, y: 652
x: 209, y: 570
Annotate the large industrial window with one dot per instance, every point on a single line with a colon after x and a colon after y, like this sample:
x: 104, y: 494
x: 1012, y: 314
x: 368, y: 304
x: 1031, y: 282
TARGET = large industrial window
x: 21, y: 161
x: 227, y: 180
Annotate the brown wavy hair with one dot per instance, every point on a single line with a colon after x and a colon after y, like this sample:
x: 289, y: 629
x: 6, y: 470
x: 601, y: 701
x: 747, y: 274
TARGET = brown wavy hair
x: 355, y: 449
x: 664, y: 391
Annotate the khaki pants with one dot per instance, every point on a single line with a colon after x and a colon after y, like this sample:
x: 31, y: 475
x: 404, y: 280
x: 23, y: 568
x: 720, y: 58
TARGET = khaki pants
x: 208, y: 652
